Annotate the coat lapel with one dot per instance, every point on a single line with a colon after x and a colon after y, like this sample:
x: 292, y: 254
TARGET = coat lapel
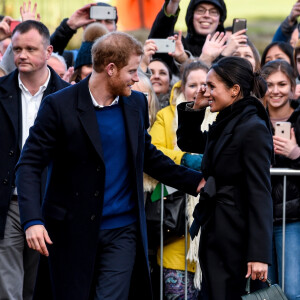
x: 87, y: 116
x: 131, y: 116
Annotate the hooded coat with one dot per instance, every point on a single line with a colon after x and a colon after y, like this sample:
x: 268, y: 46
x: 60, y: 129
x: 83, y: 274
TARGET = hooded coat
x: 236, y: 167
x: 163, y: 27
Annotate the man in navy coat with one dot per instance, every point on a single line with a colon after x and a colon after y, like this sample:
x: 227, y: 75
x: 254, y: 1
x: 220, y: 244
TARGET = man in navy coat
x: 21, y: 93
x: 93, y: 139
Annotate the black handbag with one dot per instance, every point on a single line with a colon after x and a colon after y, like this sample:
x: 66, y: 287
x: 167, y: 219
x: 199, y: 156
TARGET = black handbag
x: 272, y: 292
x: 173, y: 217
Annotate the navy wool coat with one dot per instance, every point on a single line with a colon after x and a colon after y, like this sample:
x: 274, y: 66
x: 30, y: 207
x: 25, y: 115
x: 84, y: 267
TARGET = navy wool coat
x: 11, y: 134
x: 66, y: 138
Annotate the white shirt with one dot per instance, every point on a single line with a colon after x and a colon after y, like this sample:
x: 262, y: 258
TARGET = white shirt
x: 30, y: 106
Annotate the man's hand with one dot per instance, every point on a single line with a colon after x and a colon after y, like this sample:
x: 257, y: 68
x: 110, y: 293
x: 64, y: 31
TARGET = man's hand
x: 27, y: 14
x: 257, y: 270
x: 172, y: 7
x: 201, y: 185
x: 36, y: 237
x: 5, y: 28
x: 295, y: 13
x: 81, y: 17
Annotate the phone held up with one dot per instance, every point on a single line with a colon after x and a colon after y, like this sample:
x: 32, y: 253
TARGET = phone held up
x: 103, y: 12
x: 14, y: 24
x: 283, y: 129
x: 164, y: 45
x: 238, y: 24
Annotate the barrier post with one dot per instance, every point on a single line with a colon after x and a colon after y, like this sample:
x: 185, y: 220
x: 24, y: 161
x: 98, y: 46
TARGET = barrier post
x: 161, y: 242
x: 186, y: 249
x: 283, y: 232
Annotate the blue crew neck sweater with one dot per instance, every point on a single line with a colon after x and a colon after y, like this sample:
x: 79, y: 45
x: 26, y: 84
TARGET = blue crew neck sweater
x: 119, y: 205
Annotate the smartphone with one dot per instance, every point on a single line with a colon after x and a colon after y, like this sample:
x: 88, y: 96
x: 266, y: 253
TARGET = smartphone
x: 283, y: 129
x: 103, y: 12
x: 164, y: 45
x: 238, y: 24
x: 13, y: 25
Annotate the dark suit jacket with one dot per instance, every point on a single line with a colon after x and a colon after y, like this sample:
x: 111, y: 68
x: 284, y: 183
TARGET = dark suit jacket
x: 11, y: 134
x: 66, y: 138
x: 238, y: 155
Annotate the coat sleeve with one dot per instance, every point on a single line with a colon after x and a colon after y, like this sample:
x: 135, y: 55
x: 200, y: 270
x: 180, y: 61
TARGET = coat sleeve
x: 36, y: 155
x: 189, y: 135
x: 163, y: 169
x: 256, y: 154
x: 61, y: 37
x: 159, y: 136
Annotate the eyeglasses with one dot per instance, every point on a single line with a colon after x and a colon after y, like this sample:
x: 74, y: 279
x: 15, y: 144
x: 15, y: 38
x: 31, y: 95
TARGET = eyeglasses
x: 213, y: 12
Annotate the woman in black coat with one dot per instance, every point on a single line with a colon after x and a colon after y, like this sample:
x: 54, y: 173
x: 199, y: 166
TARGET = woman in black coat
x: 235, y: 206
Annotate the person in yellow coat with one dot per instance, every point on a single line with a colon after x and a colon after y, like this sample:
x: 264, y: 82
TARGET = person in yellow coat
x: 163, y: 133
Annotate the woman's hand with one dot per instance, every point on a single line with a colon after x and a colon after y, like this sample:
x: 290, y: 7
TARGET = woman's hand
x: 284, y: 146
x: 201, y: 101
x: 236, y: 40
x: 257, y: 270
x: 149, y: 50
x: 179, y: 54
x: 213, y: 47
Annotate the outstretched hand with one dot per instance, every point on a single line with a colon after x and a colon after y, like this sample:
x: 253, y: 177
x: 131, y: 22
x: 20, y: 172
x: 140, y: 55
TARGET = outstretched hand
x: 236, y: 40
x: 27, y: 14
x: 213, y: 47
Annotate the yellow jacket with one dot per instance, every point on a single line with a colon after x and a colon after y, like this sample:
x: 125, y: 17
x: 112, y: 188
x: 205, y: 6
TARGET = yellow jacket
x: 163, y: 131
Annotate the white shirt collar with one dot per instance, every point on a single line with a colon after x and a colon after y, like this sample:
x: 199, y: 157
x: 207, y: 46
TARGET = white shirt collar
x: 115, y: 102
x: 42, y: 87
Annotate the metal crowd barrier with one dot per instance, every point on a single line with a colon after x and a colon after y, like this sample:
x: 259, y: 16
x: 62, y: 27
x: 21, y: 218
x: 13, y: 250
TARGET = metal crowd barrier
x: 284, y: 172
x: 274, y: 172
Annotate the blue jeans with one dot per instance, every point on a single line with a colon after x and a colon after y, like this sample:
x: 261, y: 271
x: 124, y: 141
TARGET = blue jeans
x: 292, y: 259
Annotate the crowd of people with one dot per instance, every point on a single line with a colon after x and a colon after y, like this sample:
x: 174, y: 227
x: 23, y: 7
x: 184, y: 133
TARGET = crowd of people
x: 88, y: 135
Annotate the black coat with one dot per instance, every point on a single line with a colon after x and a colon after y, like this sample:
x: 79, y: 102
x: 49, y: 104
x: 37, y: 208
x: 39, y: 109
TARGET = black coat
x: 11, y: 134
x: 237, y: 156
x: 292, y: 182
x: 66, y: 137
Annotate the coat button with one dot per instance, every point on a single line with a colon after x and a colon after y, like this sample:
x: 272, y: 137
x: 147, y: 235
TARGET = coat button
x: 93, y: 217
x: 98, y: 169
x: 96, y: 194
x: 5, y: 181
x: 11, y: 153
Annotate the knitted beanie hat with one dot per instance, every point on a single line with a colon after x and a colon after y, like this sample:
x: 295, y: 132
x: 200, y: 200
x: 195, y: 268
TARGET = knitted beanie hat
x: 92, y: 32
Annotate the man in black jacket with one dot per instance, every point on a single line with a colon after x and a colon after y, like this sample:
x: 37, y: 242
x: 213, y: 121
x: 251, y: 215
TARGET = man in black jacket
x: 21, y: 93
x: 203, y: 17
